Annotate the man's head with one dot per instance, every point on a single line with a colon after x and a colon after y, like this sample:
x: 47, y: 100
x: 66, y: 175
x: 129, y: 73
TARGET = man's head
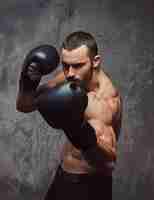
x: 80, y: 56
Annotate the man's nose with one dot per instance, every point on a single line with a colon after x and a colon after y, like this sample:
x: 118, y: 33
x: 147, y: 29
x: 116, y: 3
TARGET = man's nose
x: 71, y: 72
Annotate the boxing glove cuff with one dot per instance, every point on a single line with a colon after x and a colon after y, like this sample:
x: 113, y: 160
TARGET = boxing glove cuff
x: 82, y: 137
x: 26, y: 84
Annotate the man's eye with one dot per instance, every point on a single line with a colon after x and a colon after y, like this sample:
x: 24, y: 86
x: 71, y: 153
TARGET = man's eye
x: 77, y: 66
x: 66, y: 66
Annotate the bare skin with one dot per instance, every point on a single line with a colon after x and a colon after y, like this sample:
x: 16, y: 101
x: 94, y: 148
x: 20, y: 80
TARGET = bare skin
x: 101, y: 113
x: 103, y: 110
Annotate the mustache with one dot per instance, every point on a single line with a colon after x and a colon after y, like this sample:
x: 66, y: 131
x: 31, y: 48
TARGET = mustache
x: 74, y: 79
x: 78, y: 81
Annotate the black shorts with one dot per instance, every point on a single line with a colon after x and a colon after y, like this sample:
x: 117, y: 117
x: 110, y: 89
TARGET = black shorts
x: 79, y: 186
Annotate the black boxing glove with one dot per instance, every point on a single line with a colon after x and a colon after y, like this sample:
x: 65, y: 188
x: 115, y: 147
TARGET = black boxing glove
x: 63, y: 107
x: 38, y: 62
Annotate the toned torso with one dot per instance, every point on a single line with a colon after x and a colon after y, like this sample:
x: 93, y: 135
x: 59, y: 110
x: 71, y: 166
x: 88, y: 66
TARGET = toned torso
x: 73, y: 160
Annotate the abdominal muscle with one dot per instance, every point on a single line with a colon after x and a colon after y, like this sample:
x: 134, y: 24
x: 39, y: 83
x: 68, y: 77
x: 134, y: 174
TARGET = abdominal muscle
x: 73, y: 162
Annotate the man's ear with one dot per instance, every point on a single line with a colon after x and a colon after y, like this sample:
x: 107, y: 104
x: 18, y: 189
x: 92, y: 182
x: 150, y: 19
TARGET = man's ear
x: 96, y: 61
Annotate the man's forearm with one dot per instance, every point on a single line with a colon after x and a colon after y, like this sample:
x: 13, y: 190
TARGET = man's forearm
x: 24, y: 102
x: 100, y: 154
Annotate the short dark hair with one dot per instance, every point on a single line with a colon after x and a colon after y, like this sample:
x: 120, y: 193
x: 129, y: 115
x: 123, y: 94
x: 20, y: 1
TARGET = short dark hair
x: 78, y: 38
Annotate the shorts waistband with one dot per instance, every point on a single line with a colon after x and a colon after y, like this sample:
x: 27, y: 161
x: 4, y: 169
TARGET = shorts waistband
x: 77, y: 178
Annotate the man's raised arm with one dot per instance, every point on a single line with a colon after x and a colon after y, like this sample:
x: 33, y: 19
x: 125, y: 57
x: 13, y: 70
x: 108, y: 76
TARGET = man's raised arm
x: 40, y: 61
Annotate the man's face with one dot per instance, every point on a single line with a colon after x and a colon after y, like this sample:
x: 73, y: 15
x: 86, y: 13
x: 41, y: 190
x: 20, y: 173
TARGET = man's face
x: 77, y: 64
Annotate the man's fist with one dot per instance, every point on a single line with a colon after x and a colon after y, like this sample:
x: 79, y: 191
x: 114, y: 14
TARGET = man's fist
x: 38, y: 62
x: 63, y: 107
x: 45, y: 57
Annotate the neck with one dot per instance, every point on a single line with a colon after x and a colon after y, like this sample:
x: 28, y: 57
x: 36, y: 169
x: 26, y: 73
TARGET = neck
x: 94, y: 82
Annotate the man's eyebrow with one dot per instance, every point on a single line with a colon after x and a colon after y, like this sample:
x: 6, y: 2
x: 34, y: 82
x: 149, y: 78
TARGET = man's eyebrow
x: 73, y: 64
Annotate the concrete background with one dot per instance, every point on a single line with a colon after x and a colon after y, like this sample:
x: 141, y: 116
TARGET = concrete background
x: 30, y: 150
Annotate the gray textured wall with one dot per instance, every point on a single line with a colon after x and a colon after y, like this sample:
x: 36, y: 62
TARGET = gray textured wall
x: 30, y: 150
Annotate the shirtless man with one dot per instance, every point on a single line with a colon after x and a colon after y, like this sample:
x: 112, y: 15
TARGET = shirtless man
x: 82, y: 174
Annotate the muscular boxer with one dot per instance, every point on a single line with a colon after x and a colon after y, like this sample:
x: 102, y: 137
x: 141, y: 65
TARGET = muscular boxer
x: 86, y: 168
